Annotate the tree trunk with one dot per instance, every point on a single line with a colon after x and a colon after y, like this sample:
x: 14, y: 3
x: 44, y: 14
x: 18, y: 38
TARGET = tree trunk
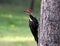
x: 49, y: 23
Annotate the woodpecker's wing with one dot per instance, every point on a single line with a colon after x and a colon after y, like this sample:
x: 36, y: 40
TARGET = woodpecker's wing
x: 34, y: 28
x: 34, y: 22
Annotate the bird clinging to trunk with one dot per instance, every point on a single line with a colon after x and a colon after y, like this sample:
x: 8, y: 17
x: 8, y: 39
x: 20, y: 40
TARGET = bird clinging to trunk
x: 33, y: 24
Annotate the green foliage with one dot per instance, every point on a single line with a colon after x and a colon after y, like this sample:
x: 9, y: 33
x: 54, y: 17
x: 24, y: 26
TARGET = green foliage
x: 13, y: 23
x: 17, y: 44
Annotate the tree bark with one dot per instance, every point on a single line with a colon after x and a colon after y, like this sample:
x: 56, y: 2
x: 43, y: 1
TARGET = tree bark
x: 49, y: 34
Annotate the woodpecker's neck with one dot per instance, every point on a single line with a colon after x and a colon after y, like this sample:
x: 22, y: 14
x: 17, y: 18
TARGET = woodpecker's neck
x: 31, y: 16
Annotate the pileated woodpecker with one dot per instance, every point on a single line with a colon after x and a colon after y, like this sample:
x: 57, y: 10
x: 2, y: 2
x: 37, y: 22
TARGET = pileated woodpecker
x: 33, y: 24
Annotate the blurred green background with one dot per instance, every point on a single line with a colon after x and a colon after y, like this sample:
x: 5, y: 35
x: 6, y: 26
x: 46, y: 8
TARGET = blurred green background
x: 14, y: 29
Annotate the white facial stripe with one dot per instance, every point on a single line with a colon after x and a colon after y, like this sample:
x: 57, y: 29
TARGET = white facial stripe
x: 30, y: 19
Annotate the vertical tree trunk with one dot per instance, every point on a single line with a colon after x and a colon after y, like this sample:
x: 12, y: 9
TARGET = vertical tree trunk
x: 49, y: 23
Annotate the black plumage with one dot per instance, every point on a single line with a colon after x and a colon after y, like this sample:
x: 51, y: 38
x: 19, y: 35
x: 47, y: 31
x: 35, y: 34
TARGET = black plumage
x: 33, y: 24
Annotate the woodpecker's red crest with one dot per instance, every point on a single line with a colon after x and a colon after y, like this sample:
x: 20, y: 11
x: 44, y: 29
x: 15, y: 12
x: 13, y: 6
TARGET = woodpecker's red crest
x: 29, y: 11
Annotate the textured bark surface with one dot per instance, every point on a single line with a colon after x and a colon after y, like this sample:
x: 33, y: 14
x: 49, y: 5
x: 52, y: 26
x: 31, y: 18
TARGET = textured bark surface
x: 49, y: 23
